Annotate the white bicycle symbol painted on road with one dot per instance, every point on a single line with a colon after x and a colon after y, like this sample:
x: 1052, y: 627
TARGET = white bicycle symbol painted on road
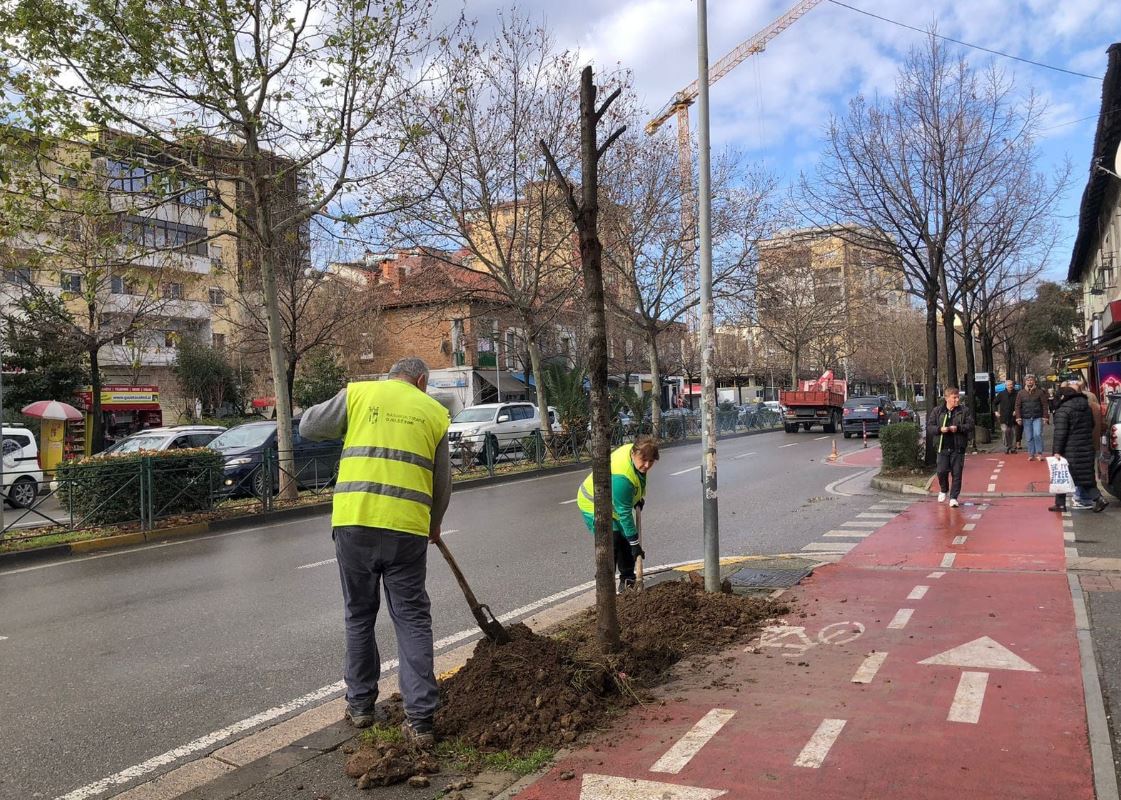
x: 794, y: 641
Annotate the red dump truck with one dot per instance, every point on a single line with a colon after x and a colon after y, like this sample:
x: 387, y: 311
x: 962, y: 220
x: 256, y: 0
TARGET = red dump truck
x: 819, y: 402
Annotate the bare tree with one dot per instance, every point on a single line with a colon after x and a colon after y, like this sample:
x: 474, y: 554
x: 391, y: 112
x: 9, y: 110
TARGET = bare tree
x: 908, y: 170
x: 262, y: 104
x: 646, y: 250
x: 491, y: 198
x: 585, y: 216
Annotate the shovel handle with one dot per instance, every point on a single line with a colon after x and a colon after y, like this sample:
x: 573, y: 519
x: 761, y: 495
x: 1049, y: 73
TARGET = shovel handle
x: 638, y: 561
x: 470, y: 595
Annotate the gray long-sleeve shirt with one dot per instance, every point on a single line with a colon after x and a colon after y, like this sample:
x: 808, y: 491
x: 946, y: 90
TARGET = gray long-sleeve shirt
x: 327, y: 420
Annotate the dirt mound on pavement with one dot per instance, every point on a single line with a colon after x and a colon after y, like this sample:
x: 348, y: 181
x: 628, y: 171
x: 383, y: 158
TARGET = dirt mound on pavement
x: 544, y: 691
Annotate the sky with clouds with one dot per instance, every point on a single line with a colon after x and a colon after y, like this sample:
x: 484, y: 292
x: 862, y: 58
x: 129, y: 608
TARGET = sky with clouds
x: 775, y: 105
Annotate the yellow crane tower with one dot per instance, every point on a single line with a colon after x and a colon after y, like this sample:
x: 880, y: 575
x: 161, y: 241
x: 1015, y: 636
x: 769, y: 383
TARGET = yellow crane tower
x: 679, y: 105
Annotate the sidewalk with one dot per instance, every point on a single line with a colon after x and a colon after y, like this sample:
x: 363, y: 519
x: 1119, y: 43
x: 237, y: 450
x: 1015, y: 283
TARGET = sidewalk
x: 939, y: 658
x: 947, y: 654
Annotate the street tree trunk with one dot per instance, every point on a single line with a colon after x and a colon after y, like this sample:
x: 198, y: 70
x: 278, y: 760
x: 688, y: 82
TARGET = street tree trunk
x: 538, y: 379
x: 585, y: 214
x: 931, y: 363
x: 97, y: 425
x: 656, y: 379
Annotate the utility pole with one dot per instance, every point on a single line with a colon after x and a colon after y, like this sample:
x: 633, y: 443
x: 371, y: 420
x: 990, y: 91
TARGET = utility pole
x: 709, y: 509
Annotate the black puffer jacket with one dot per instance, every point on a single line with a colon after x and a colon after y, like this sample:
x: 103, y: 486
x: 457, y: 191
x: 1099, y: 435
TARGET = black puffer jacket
x: 1074, y: 436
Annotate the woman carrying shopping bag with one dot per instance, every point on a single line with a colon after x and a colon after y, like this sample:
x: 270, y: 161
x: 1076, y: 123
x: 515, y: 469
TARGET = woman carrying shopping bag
x: 1074, y: 441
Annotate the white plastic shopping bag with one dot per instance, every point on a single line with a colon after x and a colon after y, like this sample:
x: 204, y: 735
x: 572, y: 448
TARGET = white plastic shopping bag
x: 1061, y: 482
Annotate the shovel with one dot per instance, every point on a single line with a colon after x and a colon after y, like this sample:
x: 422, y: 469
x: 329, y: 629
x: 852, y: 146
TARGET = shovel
x: 483, y: 615
x: 638, y: 561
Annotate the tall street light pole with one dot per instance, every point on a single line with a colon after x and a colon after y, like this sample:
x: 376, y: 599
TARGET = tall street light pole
x: 709, y: 510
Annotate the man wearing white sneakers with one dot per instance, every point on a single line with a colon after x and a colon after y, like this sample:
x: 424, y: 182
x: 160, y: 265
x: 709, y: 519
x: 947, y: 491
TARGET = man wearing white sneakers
x: 950, y: 426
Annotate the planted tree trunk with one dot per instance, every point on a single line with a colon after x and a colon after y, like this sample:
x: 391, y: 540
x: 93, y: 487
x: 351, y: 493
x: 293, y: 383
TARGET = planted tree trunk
x: 931, y: 364
x: 585, y: 215
x: 656, y: 389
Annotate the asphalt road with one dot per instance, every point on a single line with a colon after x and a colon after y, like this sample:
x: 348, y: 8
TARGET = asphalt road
x: 111, y: 660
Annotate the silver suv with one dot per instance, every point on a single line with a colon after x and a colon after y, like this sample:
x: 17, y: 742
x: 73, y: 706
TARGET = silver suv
x: 486, y: 431
x: 22, y: 475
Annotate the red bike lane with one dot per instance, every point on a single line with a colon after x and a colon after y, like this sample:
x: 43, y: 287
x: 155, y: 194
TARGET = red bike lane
x: 901, y: 673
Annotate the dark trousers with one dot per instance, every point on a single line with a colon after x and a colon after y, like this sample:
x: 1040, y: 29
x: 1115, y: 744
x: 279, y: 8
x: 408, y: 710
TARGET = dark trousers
x: 369, y: 557
x: 950, y: 464
x: 624, y: 561
x: 1009, y: 432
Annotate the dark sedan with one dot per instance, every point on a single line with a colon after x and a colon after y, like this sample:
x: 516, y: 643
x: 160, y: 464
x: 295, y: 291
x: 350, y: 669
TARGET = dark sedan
x: 867, y: 414
x: 252, y: 461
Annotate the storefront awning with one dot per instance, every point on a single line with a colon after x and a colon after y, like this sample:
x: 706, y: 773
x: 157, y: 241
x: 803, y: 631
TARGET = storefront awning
x: 509, y: 381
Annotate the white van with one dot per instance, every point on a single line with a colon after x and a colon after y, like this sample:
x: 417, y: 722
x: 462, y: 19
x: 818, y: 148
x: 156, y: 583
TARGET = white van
x: 22, y: 474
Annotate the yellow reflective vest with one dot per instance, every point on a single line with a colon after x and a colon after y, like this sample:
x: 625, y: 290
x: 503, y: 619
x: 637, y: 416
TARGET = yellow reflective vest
x: 385, y: 472
x: 622, y: 470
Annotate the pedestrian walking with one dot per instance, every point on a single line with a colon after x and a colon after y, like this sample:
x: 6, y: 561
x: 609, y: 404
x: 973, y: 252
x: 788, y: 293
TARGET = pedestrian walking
x: 1073, y: 440
x: 950, y: 426
x: 630, y: 465
x: 1006, y: 413
x: 393, y: 488
x: 1033, y: 411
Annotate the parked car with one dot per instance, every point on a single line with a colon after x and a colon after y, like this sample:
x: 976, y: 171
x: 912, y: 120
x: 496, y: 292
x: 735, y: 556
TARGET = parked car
x: 867, y: 413
x: 906, y: 411
x: 486, y: 431
x: 22, y: 475
x: 245, y: 447
x: 1109, y: 458
x: 170, y: 438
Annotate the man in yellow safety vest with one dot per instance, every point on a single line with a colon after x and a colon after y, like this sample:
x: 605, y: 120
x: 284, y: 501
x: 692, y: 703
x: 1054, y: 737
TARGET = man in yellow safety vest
x: 393, y: 488
x: 629, y: 466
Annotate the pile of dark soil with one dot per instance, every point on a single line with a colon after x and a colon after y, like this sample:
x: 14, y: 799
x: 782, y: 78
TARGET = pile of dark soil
x: 544, y: 691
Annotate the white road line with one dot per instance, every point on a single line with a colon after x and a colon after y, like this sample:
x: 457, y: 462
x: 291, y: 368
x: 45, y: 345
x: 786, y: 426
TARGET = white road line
x: 882, y: 515
x: 870, y: 666
x: 960, y: 539
x: 1071, y: 552
x: 969, y: 697
x: 317, y: 563
x: 3, y: 638
x: 901, y: 618
x: 849, y: 534
x: 742, y: 455
x: 994, y: 478
x: 1068, y: 535
x: 691, y: 743
x: 936, y: 574
x: 883, y: 507
x: 817, y: 748
x: 974, y: 516
x: 210, y: 739
x: 992, y: 487
x: 948, y: 559
x: 792, y: 444
x: 969, y: 526
x: 830, y: 547
x: 983, y: 507
x: 918, y: 593
x: 683, y: 471
x: 867, y: 524
x: 567, y: 502
x: 819, y: 438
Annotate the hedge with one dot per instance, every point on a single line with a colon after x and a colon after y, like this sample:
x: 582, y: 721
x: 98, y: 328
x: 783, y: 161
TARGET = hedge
x: 141, y: 486
x: 900, y: 445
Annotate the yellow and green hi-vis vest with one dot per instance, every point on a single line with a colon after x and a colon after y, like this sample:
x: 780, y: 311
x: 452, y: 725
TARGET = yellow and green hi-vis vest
x: 385, y: 473
x: 621, y: 466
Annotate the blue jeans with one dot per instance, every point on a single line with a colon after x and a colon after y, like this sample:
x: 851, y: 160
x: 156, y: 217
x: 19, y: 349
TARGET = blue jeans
x: 1033, y: 432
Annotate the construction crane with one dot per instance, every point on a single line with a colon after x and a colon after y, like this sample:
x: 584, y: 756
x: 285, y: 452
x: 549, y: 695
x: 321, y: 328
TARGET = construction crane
x: 679, y: 106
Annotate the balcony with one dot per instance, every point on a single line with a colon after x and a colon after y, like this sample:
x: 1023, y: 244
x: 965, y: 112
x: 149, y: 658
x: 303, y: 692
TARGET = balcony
x: 486, y: 360
x: 170, y: 259
x: 117, y: 355
x: 157, y: 307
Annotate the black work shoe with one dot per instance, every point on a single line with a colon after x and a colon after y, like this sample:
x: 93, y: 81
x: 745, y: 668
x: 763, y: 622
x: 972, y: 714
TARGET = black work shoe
x: 419, y: 733
x: 1100, y: 504
x: 1057, y: 508
x: 360, y: 718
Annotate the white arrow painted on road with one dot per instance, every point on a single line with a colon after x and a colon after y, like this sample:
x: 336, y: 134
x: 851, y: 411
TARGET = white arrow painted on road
x: 607, y: 787
x: 983, y: 653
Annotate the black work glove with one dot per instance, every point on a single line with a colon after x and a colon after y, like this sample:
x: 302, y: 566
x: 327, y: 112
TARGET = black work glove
x: 641, y: 504
x: 636, y: 550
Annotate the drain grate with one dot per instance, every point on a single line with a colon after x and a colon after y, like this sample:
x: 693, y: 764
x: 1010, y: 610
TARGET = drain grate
x: 768, y: 578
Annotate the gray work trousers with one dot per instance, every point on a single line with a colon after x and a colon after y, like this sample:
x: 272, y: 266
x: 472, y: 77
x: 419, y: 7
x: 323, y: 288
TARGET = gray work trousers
x: 367, y: 557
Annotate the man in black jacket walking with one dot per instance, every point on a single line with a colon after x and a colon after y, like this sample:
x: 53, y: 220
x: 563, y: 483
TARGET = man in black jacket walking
x: 1074, y: 441
x: 1006, y: 413
x: 950, y: 426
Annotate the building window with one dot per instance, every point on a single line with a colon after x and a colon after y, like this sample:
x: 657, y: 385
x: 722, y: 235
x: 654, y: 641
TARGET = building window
x: 19, y: 276
x: 170, y: 338
x: 161, y: 234
x: 173, y: 291
x: 219, y: 341
x: 128, y: 177
x: 71, y: 282
x: 217, y: 297
x: 628, y: 348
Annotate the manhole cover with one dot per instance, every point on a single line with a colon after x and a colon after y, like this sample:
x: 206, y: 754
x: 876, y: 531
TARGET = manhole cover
x: 771, y: 578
